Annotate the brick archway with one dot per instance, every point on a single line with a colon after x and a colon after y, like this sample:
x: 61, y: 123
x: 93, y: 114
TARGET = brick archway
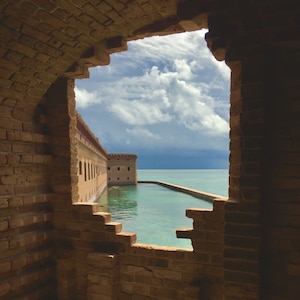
x: 44, y: 46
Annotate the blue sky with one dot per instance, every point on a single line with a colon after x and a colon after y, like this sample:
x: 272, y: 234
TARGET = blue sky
x: 166, y: 99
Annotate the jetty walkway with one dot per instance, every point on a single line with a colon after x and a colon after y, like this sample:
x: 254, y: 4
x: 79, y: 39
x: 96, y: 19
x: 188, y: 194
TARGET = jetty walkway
x: 196, y: 193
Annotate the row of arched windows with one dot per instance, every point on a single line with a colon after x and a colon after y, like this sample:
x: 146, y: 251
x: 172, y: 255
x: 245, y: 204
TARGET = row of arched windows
x: 88, y: 170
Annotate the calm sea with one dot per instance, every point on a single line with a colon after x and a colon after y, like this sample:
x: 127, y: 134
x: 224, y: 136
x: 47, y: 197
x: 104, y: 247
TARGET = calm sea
x: 154, y: 212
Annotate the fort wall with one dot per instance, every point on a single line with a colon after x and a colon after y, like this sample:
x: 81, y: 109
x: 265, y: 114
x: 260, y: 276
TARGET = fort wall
x: 92, y: 164
x: 121, y: 169
x: 96, y: 168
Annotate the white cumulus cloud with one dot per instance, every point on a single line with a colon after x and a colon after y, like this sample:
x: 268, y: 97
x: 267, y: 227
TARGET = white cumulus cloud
x: 138, y: 113
x: 142, y: 133
x: 163, y: 90
x: 85, y: 98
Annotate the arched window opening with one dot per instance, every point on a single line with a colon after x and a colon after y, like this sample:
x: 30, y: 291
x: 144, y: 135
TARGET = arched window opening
x: 173, y: 109
x: 80, y: 168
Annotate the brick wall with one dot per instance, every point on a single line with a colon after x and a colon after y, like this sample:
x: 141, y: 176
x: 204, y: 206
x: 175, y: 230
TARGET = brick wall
x: 260, y: 233
x: 121, y: 169
x: 280, y: 206
x: 26, y: 235
x: 53, y: 249
x: 92, y: 164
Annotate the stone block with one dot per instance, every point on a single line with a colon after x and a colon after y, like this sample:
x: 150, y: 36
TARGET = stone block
x: 126, y: 237
x: 115, y: 227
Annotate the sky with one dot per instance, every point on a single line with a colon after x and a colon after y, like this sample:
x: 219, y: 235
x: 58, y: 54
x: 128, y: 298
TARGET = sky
x: 166, y: 99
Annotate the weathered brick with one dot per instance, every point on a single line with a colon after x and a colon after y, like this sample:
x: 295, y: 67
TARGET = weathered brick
x: 2, y: 134
x: 165, y: 292
x: 10, y: 124
x: 14, y: 56
x: 3, y: 158
x: 4, y: 245
x: 8, y: 180
x: 5, y: 288
x: 3, y: 202
x: 3, y: 226
x: 19, y: 189
x: 22, y: 49
x: 16, y: 222
x: 5, y: 190
x: 23, y: 148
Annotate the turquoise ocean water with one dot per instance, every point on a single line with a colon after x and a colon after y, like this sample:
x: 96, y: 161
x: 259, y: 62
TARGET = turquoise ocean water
x: 154, y: 212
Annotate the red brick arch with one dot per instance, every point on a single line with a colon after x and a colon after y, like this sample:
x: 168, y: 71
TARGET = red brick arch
x: 246, y: 248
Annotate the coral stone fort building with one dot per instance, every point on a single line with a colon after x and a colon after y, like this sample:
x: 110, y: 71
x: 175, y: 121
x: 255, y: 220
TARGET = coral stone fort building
x: 97, y: 168
x: 55, y: 243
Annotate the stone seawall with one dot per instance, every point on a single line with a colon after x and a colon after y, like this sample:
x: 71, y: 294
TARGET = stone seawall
x: 193, y: 192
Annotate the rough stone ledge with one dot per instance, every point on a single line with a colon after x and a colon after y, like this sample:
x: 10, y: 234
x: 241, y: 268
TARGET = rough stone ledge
x: 196, y: 193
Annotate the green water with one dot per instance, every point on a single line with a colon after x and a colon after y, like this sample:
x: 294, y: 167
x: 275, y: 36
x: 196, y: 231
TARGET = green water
x: 155, y: 212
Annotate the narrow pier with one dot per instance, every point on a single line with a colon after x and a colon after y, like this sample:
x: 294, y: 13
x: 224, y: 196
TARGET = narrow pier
x: 196, y: 193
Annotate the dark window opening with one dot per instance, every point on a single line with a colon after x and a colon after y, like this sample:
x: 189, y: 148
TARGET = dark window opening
x: 80, y: 168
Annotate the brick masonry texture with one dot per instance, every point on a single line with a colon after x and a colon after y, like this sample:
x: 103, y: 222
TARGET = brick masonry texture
x: 246, y: 248
x: 91, y: 164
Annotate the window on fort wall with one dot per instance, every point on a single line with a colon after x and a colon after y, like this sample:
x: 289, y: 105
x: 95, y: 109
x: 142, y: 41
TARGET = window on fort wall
x: 80, y: 168
x: 85, y: 171
x: 166, y: 99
